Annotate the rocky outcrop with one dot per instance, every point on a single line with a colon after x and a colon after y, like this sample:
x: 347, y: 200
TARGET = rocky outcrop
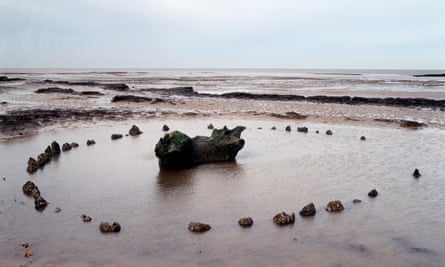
x: 176, y: 150
x: 106, y: 86
x: 198, y: 227
x: 308, y: 210
x: 283, y: 218
x: 106, y: 227
x: 7, y: 79
x: 245, y: 222
x: 52, y: 90
x: 134, y: 130
x: 137, y: 99
x: 334, y: 206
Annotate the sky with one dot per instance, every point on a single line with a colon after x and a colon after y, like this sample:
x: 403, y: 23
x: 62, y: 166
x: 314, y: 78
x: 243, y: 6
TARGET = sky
x: 346, y: 34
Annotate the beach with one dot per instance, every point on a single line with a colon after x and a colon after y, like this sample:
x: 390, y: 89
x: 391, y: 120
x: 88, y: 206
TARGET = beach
x: 277, y: 170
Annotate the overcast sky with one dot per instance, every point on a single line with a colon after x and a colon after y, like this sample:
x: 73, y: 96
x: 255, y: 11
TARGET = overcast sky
x: 222, y: 34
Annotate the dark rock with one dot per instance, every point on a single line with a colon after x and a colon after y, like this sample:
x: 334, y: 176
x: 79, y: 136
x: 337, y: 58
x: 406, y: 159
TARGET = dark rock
x: 416, y: 173
x: 412, y: 124
x: 329, y: 132
x: 210, y: 126
x: 373, y: 193
x: 57, y: 210
x: 74, y: 145
x: 134, y: 130
x: 430, y: 75
x: 106, y: 227
x: 66, y: 147
x: 273, y: 128
x: 317, y: 131
x: 52, y: 90
x: 4, y: 103
x: 308, y: 210
x: 55, y: 148
x: 165, y: 128
x: 356, y: 201
x: 176, y: 150
x: 288, y: 128
x: 91, y: 93
x: 30, y: 189
x: 85, y: 218
x: 198, y: 227
x: 43, y: 159
x: 283, y: 218
x: 137, y: 99
x: 245, y: 222
x: 32, y: 165
x: 116, y: 136
x: 334, y: 206
x: 363, y: 138
x: 302, y: 129
x: 91, y: 142
x: 7, y: 79
x: 40, y: 203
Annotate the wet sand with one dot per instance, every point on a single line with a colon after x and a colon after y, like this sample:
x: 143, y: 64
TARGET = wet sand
x: 276, y: 171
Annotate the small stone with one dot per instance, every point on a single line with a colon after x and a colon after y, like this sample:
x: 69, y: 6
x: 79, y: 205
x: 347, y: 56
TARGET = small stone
x: 165, y: 128
x: 27, y: 254
x: 116, y: 136
x: 210, y: 126
x: 57, y: 210
x: 24, y: 245
x: 66, y: 147
x: 334, y: 206
x: 30, y: 189
x: 273, y: 128
x: 259, y: 128
x: 356, y: 201
x: 329, y: 132
x: 91, y: 142
x: 86, y: 218
x: 105, y: 227
x: 416, y: 173
x: 288, y: 128
x: 198, y: 227
x: 134, y: 130
x: 363, y: 138
x: 4, y: 178
x: 245, y: 222
x: 283, y: 218
x: 74, y: 145
x: 40, y: 203
x: 317, y: 131
x: 373, y: 193
x: 308, y: 210
x: 302, y: 129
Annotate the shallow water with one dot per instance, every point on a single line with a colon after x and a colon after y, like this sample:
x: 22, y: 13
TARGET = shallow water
x: 276, y: 171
